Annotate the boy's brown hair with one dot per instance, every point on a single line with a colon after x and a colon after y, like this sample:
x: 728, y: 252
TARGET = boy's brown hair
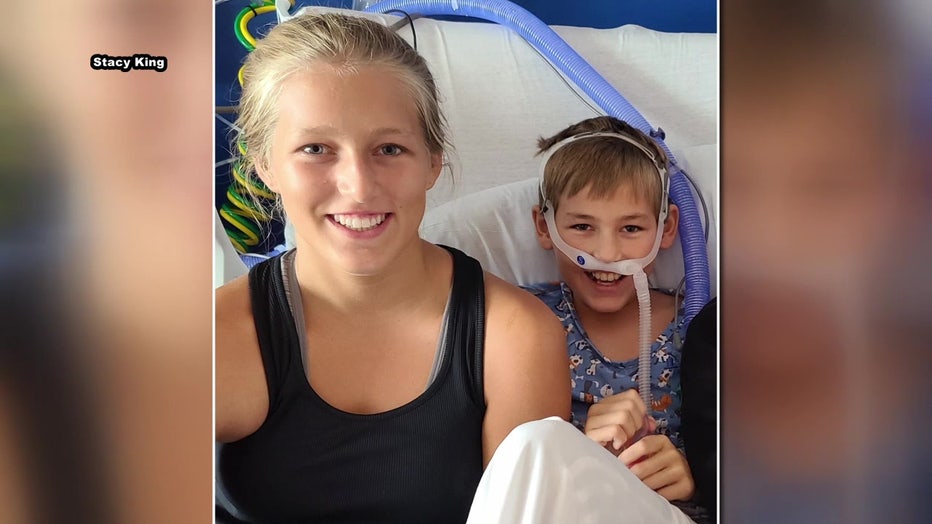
x: 601, y: 163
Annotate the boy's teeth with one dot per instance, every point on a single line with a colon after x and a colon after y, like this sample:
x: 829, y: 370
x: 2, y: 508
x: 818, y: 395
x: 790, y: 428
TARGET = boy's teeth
x: 357, y: 223
x: 604, y: 276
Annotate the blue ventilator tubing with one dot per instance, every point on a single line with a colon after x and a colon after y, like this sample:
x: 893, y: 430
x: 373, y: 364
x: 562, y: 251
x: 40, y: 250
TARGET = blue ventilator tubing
x: 575, y: 67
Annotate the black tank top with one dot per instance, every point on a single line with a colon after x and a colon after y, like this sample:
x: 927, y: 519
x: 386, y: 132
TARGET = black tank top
x: 310, y: 462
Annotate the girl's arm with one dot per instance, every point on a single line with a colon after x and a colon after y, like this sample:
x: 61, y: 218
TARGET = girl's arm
x: 526, y: 372
x: 242, y: 399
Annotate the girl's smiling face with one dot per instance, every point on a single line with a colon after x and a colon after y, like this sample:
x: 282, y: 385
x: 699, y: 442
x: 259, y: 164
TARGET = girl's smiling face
x: 350, y: 162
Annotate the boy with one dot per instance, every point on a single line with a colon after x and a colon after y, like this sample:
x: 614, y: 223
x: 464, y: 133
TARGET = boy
x: 604, y: 201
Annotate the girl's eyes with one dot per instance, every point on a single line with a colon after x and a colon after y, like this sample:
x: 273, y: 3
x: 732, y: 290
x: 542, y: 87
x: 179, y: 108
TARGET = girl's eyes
x: 314, y: 149
x: 320, y: 149
x: 391, y: 150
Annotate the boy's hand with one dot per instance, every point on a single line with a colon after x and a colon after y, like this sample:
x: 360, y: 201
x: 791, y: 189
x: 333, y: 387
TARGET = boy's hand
x: 656, y: 461
x: 617, y: 420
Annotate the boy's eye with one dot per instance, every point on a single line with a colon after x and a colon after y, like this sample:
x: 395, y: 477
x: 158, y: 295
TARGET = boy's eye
x: 391, y: 150
x: 631, y: 229
x: 314, y: 149
x: 581, y: 227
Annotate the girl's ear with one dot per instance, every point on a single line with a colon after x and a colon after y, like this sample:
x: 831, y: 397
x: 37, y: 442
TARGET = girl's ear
x: 265, y: 174
x: 436, y: 166
x: 540, y: 225
x: 669, y: 226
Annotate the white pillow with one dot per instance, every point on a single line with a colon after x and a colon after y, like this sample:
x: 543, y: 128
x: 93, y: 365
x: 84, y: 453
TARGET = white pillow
x: 494, y: 227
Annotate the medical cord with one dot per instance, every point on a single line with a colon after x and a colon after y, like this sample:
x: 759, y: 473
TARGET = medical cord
x: 677, y: 340
x: 396, y: 26
x: 241, y: 27
x: 678, y: 292
x: 241, y: 24
x: 642, y: 289
x: 705, y: 207
x: 242, y: 212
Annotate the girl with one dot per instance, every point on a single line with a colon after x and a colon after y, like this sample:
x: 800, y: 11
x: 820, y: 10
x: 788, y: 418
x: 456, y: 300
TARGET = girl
x: 367, y: 374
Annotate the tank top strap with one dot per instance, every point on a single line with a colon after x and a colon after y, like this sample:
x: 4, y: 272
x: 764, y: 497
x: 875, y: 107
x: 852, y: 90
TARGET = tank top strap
x: 275, y: 327
x: 466, y: 338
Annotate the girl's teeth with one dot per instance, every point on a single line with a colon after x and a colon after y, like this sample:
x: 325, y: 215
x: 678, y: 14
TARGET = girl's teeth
x: 357, y: 223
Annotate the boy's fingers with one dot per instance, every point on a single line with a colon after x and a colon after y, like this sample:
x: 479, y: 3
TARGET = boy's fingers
x: 607, y: 435
x: 645, y: 447
x: 629, y: 396
x: 651, y: 424
x: 676, y: 491
x: 651, y: 467
x: 624, y: 423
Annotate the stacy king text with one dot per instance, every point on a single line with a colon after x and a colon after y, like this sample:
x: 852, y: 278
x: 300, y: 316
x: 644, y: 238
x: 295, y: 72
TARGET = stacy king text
x: 125, y: 63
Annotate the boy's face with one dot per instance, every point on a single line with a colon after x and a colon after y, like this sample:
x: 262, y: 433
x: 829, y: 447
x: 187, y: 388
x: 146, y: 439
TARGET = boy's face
x: 619, y: 226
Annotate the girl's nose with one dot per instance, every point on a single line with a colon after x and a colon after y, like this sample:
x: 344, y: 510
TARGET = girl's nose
x: 356, y: 179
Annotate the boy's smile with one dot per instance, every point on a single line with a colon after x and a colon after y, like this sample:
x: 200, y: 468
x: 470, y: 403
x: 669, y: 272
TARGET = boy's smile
x: 604, y: 277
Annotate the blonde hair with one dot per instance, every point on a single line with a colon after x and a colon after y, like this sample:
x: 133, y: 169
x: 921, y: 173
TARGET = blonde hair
x: 603, y: 164
x: 343, y: 42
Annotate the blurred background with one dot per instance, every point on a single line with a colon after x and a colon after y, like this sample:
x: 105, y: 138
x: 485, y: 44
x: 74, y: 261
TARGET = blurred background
x: 105, y: 258
x: 105, y: 264
x: 825, y: 227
